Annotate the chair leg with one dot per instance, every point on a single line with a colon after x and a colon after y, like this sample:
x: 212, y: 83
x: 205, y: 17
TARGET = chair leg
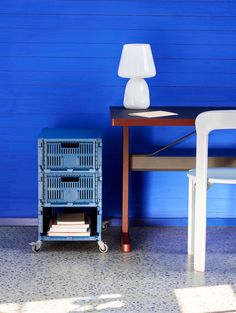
x: 191, y: 215
x: 200, y: 228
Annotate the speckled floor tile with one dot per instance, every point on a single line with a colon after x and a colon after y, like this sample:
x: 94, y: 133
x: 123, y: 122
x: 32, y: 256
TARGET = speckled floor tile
x: 76, y: 277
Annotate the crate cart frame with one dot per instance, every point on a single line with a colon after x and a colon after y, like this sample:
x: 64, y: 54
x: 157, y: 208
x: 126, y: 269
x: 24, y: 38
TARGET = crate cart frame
x: 70, y: 177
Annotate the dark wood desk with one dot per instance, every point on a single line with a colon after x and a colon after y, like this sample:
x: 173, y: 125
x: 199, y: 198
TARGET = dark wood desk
x: 119, y: 117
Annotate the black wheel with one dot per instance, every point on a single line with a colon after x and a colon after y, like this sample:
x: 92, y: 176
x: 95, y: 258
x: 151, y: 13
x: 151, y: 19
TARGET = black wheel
x: 35, y: 249
x: 105, y: 226
x: 36, y: 246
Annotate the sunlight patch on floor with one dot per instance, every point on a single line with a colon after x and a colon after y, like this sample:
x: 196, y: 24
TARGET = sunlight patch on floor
x: 79, y: 304
x: 209, y: 299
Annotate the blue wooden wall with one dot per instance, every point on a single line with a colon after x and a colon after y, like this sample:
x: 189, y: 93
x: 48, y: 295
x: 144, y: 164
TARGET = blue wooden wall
x: 58, y: 68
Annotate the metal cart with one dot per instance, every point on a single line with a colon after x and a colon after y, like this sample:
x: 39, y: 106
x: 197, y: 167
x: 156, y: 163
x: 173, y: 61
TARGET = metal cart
x: 70, y: 180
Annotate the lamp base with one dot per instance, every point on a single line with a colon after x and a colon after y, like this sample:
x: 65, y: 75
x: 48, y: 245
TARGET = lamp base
x: 136, y: 94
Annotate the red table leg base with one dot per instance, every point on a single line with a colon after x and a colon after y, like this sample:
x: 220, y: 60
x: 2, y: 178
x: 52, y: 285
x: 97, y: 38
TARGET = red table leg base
x: 125, y: 242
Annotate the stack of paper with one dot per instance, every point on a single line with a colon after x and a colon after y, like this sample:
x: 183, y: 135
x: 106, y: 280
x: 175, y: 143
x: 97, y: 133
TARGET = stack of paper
x: 151, y: 114
x: 70, y: 224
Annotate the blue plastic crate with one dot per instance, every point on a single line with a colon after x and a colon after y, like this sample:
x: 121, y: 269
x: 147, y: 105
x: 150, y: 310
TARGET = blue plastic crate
x: 76, y: 155
x: 76, y: 189
x: 70, y: 149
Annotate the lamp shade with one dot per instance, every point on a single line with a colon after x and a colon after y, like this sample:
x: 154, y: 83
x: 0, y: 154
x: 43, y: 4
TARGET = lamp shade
x: 136, y: 61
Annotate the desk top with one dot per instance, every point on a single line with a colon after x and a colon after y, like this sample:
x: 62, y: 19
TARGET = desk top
x: 186, y: 116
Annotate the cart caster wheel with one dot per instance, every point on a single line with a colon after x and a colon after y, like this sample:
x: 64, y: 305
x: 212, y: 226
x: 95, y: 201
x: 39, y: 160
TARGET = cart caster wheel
x: 35, y: 249
x: 102, y: 246
x: 105, y: 249
x: 105, y: 225
x: 36, y: 246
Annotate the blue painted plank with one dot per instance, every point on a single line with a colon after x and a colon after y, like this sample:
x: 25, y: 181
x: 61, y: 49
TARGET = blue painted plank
x: 48, y: 92
x: 110, y: 79
x: 192, y: 8
x: 38, y: 106
x: 91, y: 50
x: 42, y: 64
x: 118, y: 36
x: 59, y: 119
x: 37, y: 98
x: 80, y: 23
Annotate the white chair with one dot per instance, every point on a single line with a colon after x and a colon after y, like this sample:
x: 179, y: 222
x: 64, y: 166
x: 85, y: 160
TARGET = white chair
x: 202, y: 178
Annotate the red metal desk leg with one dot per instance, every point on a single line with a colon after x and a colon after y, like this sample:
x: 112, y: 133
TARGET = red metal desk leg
x: 125, y: 240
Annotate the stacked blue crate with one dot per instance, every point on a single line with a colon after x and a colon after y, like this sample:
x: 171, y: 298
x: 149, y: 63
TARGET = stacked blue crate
x: 70, y: 180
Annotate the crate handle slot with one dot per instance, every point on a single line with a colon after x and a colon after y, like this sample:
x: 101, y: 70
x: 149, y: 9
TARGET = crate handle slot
x: 70, y: 179
x: 70, y: 144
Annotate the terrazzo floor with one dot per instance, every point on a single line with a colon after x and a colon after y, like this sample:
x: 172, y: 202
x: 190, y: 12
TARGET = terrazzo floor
x: 157, y: 276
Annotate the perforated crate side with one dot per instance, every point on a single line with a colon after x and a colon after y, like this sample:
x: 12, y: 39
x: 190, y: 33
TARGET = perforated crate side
x: 76, y: 155
x: 70, y: 189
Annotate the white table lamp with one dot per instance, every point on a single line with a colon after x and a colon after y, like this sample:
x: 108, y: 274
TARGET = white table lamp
x: 136, y: 63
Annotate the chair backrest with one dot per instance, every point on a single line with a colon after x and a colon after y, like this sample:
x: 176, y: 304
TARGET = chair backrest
x: 205, y: 123
x: 212, y: 120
